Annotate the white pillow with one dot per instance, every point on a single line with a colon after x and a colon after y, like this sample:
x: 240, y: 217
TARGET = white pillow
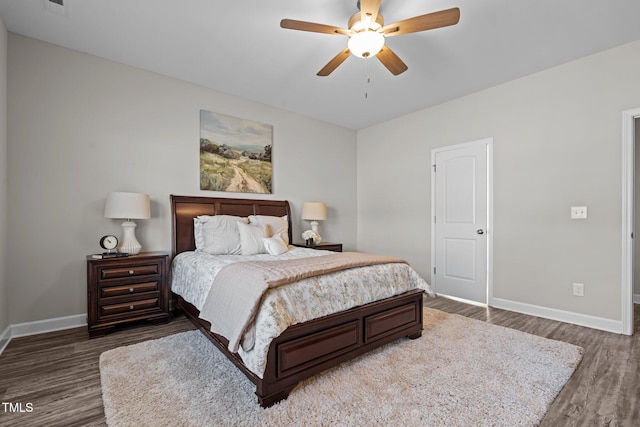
x: 251, y: 236
x: 198, y: 232
x: 218, y: 234
x: 277, y: 225
x: 275, y: 245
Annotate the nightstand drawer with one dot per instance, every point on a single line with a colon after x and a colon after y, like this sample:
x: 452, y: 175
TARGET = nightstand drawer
x: 129, y: 271
x: 130, y: 289
x: 128, y: 307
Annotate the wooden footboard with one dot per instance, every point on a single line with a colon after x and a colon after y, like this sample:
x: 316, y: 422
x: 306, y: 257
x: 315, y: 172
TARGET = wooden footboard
x: 308, y: 348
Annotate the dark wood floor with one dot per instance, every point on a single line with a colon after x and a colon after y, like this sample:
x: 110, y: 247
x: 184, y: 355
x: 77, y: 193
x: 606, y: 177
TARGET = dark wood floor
x: 58, y: 372
x: 603, y: 391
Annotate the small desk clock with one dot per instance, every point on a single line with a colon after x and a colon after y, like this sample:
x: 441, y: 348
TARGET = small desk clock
x: 109, y: 242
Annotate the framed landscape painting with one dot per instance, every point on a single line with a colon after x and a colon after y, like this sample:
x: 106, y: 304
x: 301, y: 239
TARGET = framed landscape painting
x: 235, y: 154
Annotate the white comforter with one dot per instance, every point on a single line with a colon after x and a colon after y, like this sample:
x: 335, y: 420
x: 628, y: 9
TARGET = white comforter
x: 308, y: 299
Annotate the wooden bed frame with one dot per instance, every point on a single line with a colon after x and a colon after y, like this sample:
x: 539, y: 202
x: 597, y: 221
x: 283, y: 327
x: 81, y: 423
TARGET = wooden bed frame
x: 305, y: 349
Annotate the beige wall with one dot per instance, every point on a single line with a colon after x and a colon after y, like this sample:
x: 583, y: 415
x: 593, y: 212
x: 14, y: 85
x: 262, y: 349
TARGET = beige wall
x: 80, y: 126
x: 636, y: 248
x: 4, y: 305
x: 557, y: 144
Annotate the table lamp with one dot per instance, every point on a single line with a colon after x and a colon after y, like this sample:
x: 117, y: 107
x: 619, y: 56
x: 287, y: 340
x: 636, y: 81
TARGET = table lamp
x: 128, y: 206
x: 314, y: 212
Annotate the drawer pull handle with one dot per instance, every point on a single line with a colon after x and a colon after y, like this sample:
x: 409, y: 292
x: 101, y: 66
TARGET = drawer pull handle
x: 131, y: 290
x: 131, y: 272
x: 130, y: 307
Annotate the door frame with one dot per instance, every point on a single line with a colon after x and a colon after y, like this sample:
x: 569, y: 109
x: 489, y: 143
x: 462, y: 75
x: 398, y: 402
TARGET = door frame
x: 488, y: 142
x: 628, y: 197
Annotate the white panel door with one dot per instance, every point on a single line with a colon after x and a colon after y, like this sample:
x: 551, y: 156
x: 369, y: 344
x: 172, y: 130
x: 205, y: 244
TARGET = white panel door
x: 460, y: 221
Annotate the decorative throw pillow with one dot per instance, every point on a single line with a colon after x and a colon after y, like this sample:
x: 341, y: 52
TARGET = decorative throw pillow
x: 275, y: 245
x: 251, y: 236
x: 218, y: 234
x: 277, y: 225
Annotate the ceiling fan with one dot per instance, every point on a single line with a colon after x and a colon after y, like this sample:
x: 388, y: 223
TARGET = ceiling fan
x: 367, y: 33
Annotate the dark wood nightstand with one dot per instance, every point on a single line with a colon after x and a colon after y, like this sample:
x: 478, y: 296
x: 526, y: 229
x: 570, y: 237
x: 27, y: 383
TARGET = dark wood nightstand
x: 325, y: 246
x: 128, y: 289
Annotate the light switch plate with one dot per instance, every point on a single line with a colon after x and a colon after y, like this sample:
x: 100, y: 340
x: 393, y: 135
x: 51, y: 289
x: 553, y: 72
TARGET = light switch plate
x: 578, y: 212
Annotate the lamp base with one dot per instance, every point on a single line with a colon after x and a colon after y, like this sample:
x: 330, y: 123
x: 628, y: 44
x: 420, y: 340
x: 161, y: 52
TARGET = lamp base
x: 314, y: 227
x: 129, y: 244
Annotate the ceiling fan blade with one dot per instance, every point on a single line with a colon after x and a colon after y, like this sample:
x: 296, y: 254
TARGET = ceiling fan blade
x: 334, y: 63
x: 392, y: 61
x: 440, y: 19
x: 369, y: 8
x: 292, y: 24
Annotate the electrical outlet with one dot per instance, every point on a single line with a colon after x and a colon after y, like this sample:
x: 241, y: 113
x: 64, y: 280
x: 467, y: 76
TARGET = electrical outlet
x: 578, y: 289
x: 578, y: 212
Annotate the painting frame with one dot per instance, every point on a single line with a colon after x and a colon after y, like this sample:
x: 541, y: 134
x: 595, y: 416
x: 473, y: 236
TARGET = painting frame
x: 235, y: 154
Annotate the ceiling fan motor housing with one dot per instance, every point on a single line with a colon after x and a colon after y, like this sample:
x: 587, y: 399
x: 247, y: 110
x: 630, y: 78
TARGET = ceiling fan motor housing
x: 356, y: 25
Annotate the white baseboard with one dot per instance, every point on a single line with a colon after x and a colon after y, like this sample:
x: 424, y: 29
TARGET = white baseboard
x: 636, y: 298
x: 48, y: 325
x: 5, y: 337
x: 466, y: 301
x: 593, y: 322
x: 41, y: 327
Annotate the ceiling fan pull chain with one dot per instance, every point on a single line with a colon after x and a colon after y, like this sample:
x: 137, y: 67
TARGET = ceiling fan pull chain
x: 367, y: 77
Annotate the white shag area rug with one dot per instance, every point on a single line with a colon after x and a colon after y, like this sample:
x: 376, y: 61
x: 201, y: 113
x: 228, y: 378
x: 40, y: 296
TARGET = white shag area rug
x: 461, y: 372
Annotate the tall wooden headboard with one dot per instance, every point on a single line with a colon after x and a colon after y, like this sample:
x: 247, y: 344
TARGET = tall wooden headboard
x: 185, y: 208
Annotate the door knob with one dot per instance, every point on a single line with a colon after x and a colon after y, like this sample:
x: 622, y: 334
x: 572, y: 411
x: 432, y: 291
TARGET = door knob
x: 480, y: 231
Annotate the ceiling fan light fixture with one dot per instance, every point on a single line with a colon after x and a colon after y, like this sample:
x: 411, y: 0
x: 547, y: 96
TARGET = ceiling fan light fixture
x: 366, y: 44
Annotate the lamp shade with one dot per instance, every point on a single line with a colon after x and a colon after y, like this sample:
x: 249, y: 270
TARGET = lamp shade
x: 127, y: 206
x: 314, y: 211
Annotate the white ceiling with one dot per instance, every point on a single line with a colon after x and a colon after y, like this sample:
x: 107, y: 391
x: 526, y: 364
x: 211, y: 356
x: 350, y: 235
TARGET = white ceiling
x: 238, y: 47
